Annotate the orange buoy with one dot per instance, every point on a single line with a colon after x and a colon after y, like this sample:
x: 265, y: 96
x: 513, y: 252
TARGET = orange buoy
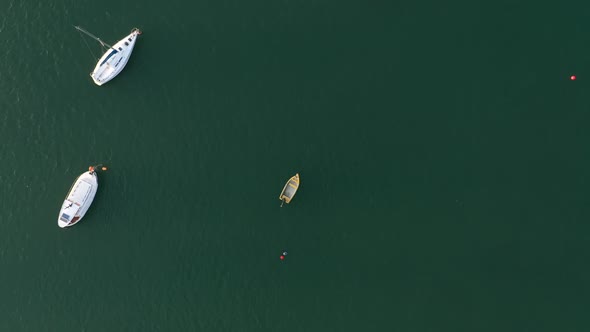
x: 104, y: 168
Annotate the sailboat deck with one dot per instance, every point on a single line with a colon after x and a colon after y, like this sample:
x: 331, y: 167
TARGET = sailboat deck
x: 114, y: 59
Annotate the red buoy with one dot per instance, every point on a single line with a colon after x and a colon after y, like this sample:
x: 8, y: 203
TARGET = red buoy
x: 573, y: 77
x: 282, y: 257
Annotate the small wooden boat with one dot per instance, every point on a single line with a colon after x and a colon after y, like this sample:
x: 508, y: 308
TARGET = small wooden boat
x: 290, y: 189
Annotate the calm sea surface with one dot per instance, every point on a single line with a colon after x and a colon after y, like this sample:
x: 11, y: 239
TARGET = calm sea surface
x: 442, y: 148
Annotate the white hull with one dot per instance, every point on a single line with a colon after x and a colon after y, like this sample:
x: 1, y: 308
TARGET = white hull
x: 114, y: 60
x: 78, y: 200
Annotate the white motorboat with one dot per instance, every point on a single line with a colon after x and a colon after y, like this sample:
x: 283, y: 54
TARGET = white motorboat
x: 79, y: 198
x: 114, y: 59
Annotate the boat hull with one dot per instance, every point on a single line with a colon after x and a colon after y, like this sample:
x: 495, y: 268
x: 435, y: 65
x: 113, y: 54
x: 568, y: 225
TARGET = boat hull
x: 114, y: 59
x: 290, y: 189
x: 78, y: 200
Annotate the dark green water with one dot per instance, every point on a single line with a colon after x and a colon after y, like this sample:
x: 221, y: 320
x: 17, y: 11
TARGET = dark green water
x: 442, y: 150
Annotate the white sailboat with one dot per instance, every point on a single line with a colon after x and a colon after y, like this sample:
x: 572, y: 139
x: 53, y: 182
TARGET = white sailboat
x: 114, y: 59
x: 79, y: 198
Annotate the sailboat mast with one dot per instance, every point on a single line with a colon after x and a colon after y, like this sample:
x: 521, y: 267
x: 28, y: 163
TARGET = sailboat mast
x: 93, y: 36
